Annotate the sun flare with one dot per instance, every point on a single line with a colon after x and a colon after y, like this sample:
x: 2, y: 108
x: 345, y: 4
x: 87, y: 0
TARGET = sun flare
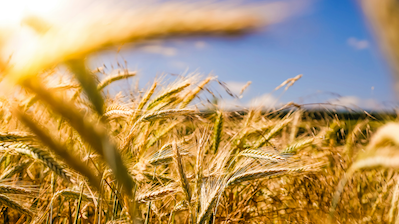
x: 12, y: 12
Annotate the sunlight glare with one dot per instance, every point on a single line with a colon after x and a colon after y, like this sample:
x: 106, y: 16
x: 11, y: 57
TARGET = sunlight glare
x: 12, y: 12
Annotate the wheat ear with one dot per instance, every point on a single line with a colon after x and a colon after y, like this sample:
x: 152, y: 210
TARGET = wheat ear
x: 89, y: 132
x: 293, y: 148
x: 368, y: 162
x: 114, y: 78
x: 159, y: 178
x: 294, y: 128
x: 394, y: 203
x: 351, y: 137
x: 41, y: 155
x: 167, y: 94
x: 165, y: 155
x: 162, y: 133
x: 258, y: 174
x: 118, y: 113
x: 14, y: 170
x: 208, y: 200
x: 60, y: 150
x: 165, y: 113
x: 15, y: 137
x: 272, y: 133
x: 194, y: 92
x: 6, y: 201
x: 68, y: 193
x: 182, y: 175
x: 180, y: 206
x: 155, y: 195
x: 65, y: 86
x: 258, y: 154
x: 135, y: 116
x: 217, y: 132
x: 147, y: 96
x: 148, y: 117
x: 199, y: 170
x: 8, y: 189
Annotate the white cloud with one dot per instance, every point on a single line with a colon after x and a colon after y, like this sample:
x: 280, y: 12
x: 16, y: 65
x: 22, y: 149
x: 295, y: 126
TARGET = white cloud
x: 358, y: 44
x: 355, y: 102
x: 235, y: 87
x: 179, y: 65
x: 159, y: 49
x: 265, y: 101
x: 200, y: 44
x: 268, y: 101
x: 231, y: 104
x: 280, y: 11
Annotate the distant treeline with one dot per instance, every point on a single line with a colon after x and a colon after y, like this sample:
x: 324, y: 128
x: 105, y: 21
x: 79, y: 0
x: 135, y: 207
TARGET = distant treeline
x: 324, y: 114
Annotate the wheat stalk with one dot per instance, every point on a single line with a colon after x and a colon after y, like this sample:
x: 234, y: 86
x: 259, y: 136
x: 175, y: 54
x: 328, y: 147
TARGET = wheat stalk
x: 81, y: 37
x: 89, y: 132
x: 88, y: 83
x: 383, y: 16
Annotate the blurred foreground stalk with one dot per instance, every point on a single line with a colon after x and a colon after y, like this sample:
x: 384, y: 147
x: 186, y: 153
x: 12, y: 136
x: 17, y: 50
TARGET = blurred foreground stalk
x: 384, y: 18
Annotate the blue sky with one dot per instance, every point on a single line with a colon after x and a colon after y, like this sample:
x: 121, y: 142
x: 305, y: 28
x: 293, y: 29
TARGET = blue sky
x: 330, y: 44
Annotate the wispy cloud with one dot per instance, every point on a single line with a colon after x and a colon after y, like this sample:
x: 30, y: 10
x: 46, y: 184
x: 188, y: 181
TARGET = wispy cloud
x: 280, y: 11
x: 235, y: 87
x: 159, y: 49
x: 179, y: 65
x: 266, y: 101
x: 200, y: 44
x: 355, y: 102
x: 358, y: 44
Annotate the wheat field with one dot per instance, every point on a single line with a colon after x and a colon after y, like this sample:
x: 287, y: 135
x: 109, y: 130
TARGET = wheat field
x: 70, y: 152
